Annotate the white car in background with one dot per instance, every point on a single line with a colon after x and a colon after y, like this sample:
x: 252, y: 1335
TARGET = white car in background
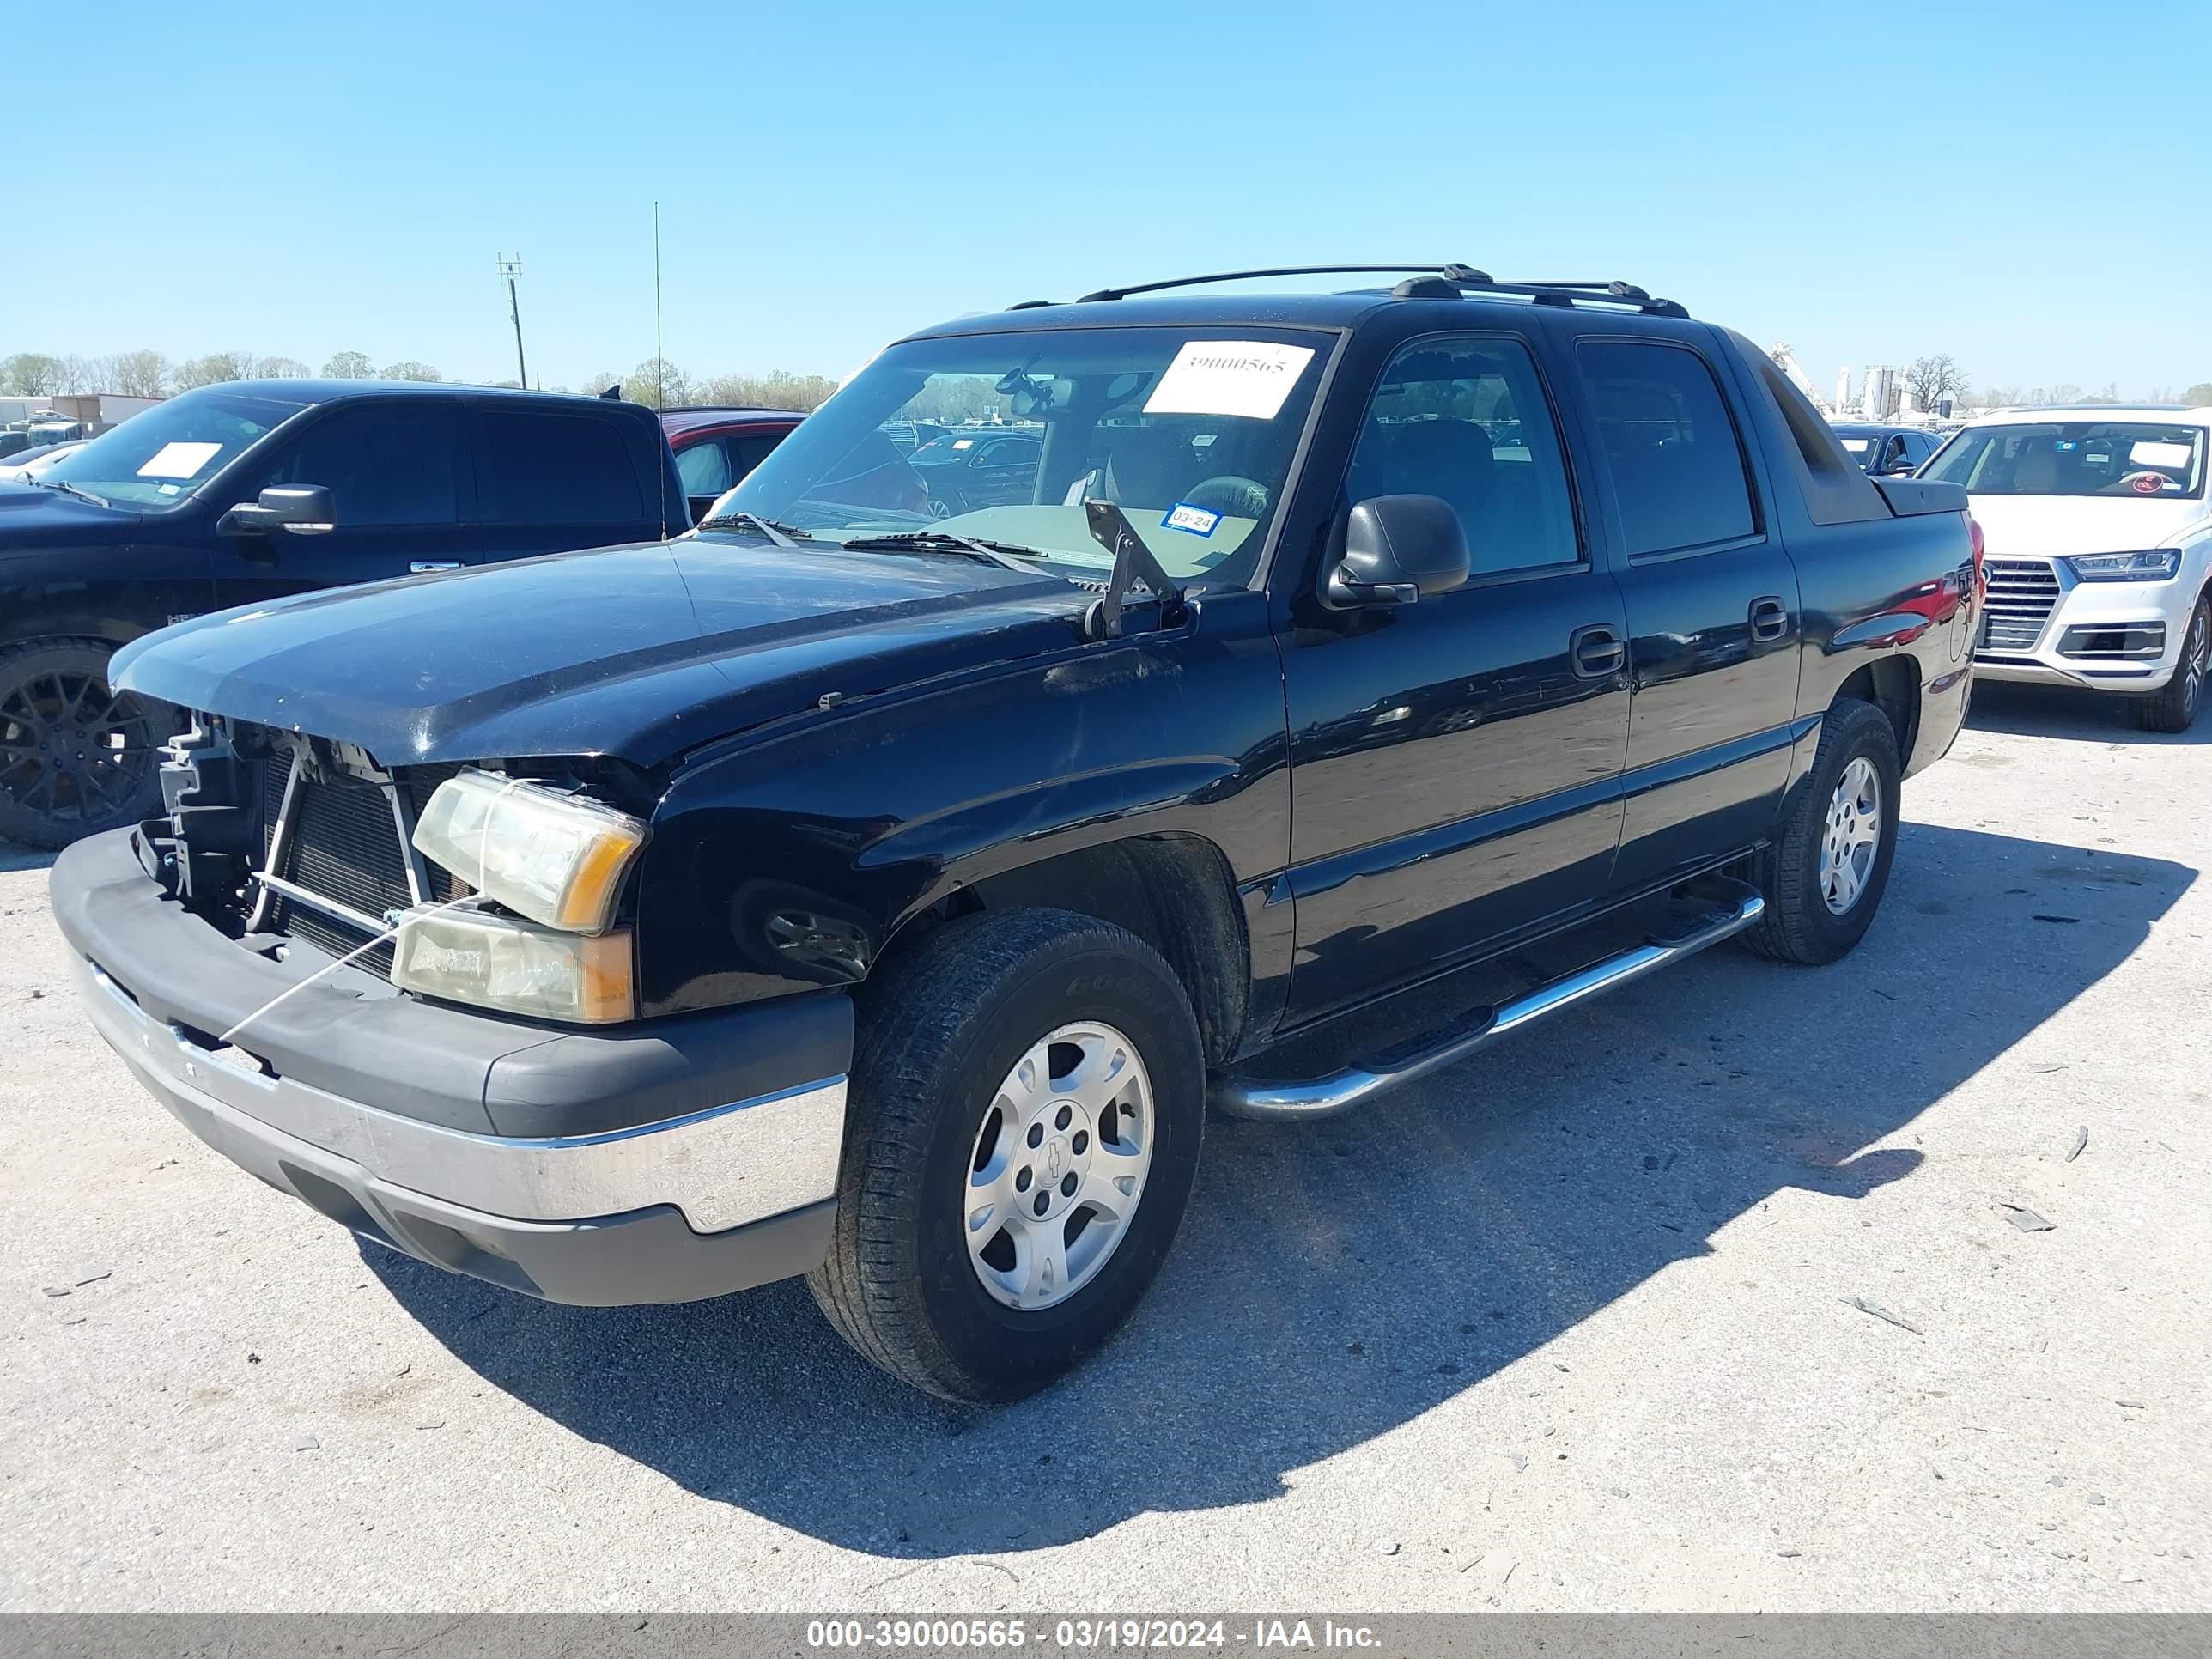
x: 26, y: 464
x: 2098, y: 534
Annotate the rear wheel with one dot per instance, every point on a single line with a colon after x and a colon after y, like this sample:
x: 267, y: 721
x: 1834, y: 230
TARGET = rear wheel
x: 2174, y: 708
x: 1020, y: 1142
x: 1824, y: 876
x: 76, y: 755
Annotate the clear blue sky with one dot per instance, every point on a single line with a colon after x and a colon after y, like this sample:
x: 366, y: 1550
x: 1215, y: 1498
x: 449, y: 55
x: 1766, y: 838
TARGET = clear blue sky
x: 2021, y: 183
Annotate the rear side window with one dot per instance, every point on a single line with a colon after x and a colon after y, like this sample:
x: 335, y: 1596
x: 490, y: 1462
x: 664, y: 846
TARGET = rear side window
x: 383, y: 466
x: 557, y: 468
x: 749, y: 449
x: 1677, y: 465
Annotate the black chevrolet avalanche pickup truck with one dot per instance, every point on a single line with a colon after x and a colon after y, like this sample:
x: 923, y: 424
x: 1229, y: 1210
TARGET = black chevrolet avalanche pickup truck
x: 254, y: 490
x: 844, y: 890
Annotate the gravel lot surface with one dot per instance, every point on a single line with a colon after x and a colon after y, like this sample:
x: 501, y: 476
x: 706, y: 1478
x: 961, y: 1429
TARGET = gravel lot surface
x: 1584, y: 1323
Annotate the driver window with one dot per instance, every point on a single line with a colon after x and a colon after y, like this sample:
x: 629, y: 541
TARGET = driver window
x: 1465, y: 420
x: 381, y: 465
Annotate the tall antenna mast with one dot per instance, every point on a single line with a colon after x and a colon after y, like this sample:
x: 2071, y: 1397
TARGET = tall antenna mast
x: 659, y: 361
x: 509, y: 271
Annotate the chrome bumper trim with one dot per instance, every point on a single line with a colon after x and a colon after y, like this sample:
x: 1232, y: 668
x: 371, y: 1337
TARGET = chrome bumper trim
x: 722, y: 1168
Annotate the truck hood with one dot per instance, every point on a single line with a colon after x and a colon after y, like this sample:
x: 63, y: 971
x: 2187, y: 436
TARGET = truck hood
x: 34, y: 520
x: 2017, y: 526
x: 639, y: 652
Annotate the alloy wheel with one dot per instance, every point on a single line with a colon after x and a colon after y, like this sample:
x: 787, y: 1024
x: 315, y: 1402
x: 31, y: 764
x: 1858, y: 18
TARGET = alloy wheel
x: 1853, y: 838
x: 73, y: 748
x: 1059, y: 1165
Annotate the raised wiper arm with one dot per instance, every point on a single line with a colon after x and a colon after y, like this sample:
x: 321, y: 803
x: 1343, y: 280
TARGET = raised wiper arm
x: 1009, y: 555
x: 782, y: 535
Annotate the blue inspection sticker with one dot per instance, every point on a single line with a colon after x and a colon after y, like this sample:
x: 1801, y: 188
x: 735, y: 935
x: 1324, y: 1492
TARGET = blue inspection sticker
x: 1191, y: 520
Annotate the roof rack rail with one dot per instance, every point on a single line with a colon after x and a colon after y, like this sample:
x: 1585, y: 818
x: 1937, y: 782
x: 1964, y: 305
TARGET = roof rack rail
x: 1543, y: 293
x: 1460, y: 273
x: 1430, y: 282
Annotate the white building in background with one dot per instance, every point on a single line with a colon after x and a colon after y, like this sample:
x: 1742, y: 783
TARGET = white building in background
x: 1843, y: 389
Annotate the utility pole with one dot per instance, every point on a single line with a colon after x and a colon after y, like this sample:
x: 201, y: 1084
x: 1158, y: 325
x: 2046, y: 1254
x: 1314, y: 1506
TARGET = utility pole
x: 510, y: 270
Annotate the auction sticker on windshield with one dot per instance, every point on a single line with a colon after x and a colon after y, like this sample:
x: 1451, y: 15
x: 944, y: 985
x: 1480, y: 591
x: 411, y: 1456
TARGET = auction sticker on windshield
x: 178, y: 461
x: 1250, y: 378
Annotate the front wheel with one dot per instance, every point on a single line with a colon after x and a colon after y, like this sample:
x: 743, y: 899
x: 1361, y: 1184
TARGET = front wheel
x: 76, y: 755
x: 1020, y: 1141
x: 1823, y: 877
x: 2174, y: 708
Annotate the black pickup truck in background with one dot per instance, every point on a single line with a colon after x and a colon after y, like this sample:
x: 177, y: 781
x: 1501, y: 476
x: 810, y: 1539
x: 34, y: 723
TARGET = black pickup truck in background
x: 846, y: 891
x: 238, y: 493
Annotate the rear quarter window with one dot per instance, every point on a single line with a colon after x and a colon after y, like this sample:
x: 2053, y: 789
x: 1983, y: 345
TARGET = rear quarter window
x: 546, y: 468
x: 1671, y: 446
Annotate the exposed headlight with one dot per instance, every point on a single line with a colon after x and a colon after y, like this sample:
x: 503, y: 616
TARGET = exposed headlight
x: 2156, y: 566
x: 551, y: 857
x: 517, y: 967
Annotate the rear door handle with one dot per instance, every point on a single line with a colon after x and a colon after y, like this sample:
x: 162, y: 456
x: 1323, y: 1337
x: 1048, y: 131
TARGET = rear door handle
x: 1597, y: 652
x: 1770, y: 618
x: 424, y: 567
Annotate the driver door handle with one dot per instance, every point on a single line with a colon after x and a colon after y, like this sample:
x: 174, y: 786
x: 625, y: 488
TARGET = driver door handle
x: 1770, y: 618
x: 1597, y: 652
x: 424, y: 567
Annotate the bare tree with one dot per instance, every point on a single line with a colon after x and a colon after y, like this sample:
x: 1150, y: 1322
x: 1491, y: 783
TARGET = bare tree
x: 600, y: 381
x: 777, y: 389
x: 280, y: 368
x: 77, y: 373
x: 658, y: 383
x: 348, y: 366
x: 137, y: 373
x: 410, y: 370
x: 212, y: 369
x: 30, y: 375
x: 1931, y: 379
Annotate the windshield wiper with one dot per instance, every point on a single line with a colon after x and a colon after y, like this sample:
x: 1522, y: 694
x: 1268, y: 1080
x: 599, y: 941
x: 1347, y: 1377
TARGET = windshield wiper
x: 81, y: 495
x: 782, y: 535
x: 1010, y: 555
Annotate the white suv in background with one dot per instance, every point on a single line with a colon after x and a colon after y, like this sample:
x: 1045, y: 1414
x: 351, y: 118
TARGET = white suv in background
x: 2097, y: 534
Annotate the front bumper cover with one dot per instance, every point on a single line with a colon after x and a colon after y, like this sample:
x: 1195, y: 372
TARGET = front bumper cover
x: 704, y: 1201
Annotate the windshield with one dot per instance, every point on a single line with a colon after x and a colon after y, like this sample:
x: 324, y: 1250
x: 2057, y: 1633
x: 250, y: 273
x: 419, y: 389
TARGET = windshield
x: 1189, y: 431
x: 2132, y: 459
x: 162, y: 456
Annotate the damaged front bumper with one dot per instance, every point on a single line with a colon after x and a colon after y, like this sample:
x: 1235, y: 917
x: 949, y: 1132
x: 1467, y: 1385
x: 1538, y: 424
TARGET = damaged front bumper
x: 664, y: 1162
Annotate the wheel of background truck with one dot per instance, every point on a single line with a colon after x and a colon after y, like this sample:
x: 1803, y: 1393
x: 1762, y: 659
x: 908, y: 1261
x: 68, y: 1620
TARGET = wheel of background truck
x: 1020, y: 1140
x: 1824, y: 875
x: 77, y: 757
x: 2174, y: 708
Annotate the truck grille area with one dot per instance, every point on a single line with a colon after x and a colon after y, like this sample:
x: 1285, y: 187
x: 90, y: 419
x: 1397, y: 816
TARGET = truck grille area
x: 2021, y: 594
x: 344, y: 844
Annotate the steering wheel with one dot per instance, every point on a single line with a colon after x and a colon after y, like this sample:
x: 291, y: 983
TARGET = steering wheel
x: 1231, y: 495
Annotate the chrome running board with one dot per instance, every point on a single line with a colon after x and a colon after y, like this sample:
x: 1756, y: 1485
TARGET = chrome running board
x: 1238, y: 1095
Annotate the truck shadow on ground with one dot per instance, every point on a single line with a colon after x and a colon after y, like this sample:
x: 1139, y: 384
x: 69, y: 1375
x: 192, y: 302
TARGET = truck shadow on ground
x: 2071, y: 715
x: 1335, y: 1280
x: 14, y: 857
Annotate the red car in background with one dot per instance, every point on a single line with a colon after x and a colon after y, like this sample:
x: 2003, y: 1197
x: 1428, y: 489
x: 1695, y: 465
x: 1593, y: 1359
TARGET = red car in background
x: 715, y: 447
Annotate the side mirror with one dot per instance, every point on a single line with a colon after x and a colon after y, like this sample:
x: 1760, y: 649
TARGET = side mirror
x: 1398, y: 549
x: 303, y: 509
x: 1901, y: 468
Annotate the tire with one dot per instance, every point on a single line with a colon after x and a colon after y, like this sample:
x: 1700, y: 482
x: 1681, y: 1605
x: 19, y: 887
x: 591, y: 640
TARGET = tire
x: 934, y: 1083
x: 2174, y: 708
x: 1803, y: 923
x: 59, y: 781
